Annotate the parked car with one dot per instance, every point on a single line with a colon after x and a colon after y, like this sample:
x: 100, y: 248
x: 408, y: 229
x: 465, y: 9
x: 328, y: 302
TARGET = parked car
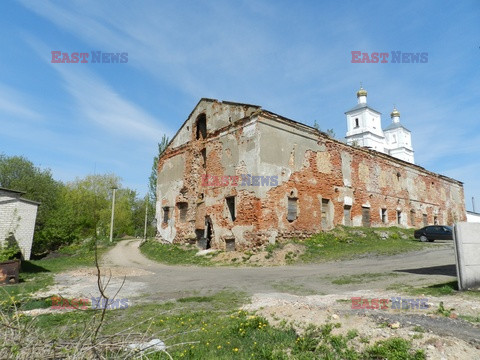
x: 434, y: 232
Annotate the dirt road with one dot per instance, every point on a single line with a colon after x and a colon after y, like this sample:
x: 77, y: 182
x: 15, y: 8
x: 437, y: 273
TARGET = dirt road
x: 166, y: 282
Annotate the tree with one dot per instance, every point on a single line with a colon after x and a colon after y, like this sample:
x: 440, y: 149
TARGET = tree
x: 90, y: 199
x: 19, y: 173
x: 152, y: 180
x: 139, y: 217
x: 331, y: 133
x: 77, y: 210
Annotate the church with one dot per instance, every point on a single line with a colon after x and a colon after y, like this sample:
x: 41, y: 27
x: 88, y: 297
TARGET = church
x: 320, y: 182
x: 364, y: 128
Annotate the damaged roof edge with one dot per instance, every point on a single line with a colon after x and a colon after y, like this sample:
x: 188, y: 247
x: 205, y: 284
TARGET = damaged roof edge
x: 208, y: 100
x: 181, y: 127
x: 297, y: 124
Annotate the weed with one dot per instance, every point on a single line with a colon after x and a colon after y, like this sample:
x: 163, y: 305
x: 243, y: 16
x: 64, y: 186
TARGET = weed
x: 418, y: 329
x: 364, y: 340
x: 442, y: 311
x: 352, y: 334
x: 394, y: 349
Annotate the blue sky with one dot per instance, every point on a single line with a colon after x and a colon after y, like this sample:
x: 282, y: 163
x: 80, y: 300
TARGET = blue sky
x: 292, y: 58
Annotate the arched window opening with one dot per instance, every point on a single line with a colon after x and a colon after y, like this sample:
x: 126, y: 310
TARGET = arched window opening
x: 201, y: 126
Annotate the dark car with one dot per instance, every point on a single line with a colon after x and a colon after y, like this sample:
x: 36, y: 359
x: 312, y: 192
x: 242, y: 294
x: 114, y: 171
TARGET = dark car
x: 434, y: 232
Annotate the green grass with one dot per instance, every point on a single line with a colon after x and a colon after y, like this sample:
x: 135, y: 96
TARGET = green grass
x: 362, y: 278
x: 418, y: 329
x: 442, y: 289
x: 472, y: 319
x: 195, y: 299
x: 340, y: 243
x: 394, y: 349
x: 212, y: 327
x: 173, y: 254
x: 353, y: 242
x: 292, y: 288
x: 37, y: 275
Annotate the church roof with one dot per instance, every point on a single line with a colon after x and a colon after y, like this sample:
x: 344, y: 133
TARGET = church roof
x: 393, y: 126
x: 362, y: 106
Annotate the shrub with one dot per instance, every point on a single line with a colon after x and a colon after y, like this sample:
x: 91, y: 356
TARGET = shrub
x: 9, y: 250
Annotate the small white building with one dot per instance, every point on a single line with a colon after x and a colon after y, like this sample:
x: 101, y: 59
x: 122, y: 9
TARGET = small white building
x: 473, y: 217
x: 17, y: 219
x: 364, y: 128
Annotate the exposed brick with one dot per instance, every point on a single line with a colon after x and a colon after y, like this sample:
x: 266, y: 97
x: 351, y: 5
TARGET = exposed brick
x: 310, y: 166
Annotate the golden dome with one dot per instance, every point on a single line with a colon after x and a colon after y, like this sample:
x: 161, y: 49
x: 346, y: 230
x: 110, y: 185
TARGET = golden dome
x: 395, y: 112
x: 361, y: 92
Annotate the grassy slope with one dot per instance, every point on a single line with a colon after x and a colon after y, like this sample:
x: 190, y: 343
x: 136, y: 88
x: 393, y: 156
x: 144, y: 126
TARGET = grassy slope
x: 212, y: 327
x: 340, y: 243
x: 173, y: 254
x: 347, y: 243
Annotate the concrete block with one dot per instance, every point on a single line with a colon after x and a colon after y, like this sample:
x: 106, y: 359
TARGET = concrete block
x: 467, y: 252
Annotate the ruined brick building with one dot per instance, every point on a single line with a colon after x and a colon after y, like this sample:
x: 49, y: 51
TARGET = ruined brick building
x: 241, y: 176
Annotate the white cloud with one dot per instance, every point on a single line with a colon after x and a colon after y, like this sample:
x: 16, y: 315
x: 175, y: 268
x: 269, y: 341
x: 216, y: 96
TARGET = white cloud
x: 98, y: 103
x: 13, y: 102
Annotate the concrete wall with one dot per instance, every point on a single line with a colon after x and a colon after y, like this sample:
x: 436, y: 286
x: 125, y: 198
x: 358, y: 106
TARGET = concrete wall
x: 467, y: 252
x: 473, y: 217
x: 325, y: 176
x: 17, y: 218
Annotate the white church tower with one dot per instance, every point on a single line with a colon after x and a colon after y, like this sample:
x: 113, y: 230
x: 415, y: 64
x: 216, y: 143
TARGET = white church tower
x: 364, y: 128
x: 399, y: 139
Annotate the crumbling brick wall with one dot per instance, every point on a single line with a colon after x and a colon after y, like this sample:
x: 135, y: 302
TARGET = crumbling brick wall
x: 333, y: 183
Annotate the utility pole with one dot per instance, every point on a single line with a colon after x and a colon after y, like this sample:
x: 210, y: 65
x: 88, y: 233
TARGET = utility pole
x: 146, y: 215
x: 473, y: 203
x: 113, y: 214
